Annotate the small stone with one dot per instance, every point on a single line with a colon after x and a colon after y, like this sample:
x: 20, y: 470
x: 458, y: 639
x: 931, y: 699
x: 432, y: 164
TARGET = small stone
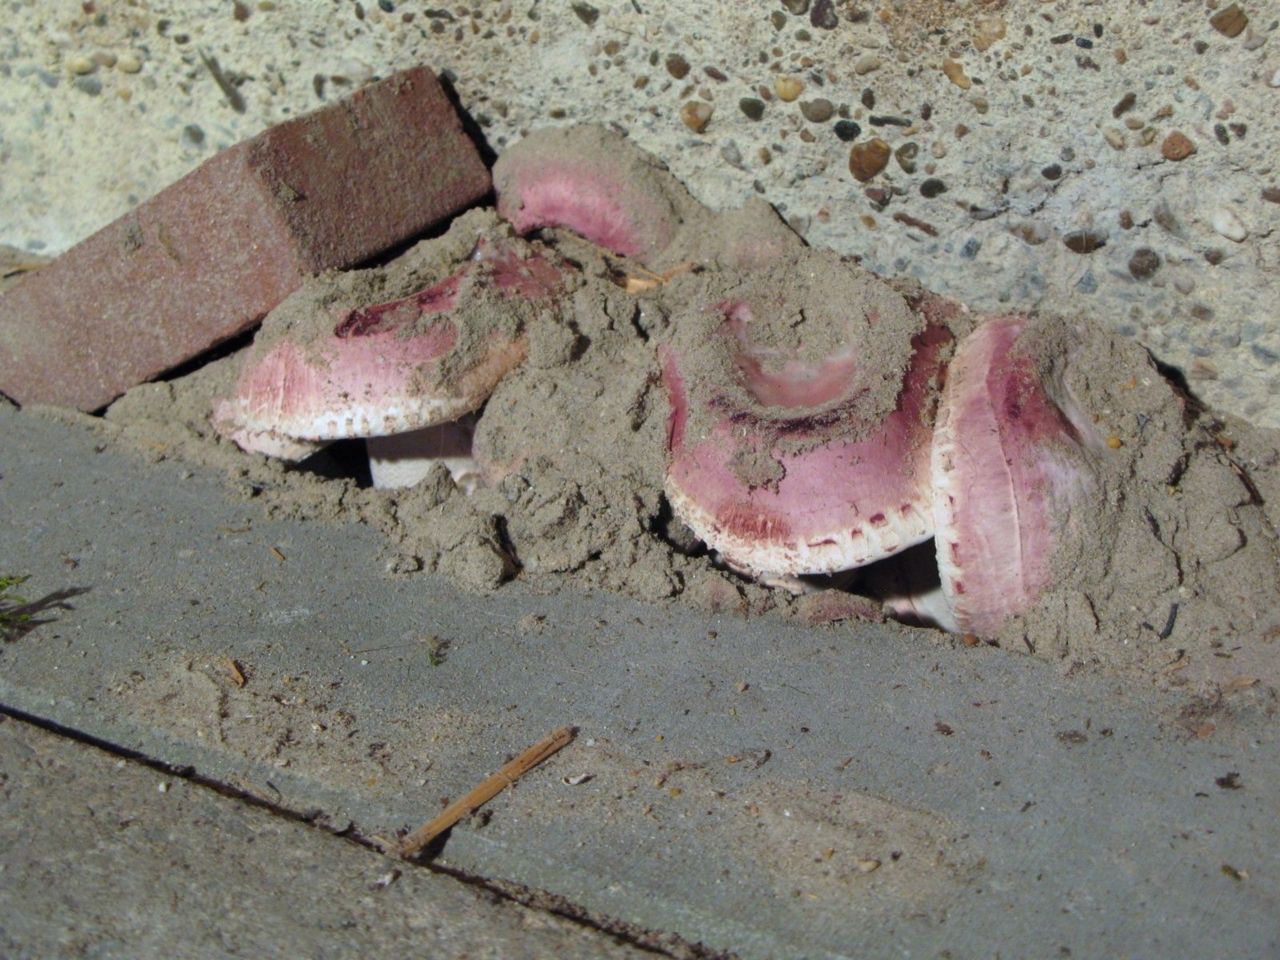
x: 868, y: 158
x: 129, y: 62
x: 1084, y: 241
x: 1228, y: 224
x: 955, y: 73
x: 817, y: 111
x: 938, y: 149
x: 753, y: 108
x: 932, y: 187
x: 1165, y: 218
x: 192, y: 137
x: 695, y: 115
x: 1114, y: 137
x: 823, y: 15
x: 1275, y: 79
x: 906, y: 156
x: 1031, y: 233
x: 778, y: 19
x: 990, y: 30
x: 847, y: 130
x: 1230, y: 21
x: 867, y: 63
x: 1271, y: 194
x: 1052, y: 172
x: 1143, y: 263
x: 105, y: 58
x: 81, y: 65
x: 788, y: 88
x: 1124, y: 105
x: 677, y: 66
x: 585, y: 12
x: 970, y: 248
x: 1176, y: 146
x: 90, y: 85
x: 798, y: 7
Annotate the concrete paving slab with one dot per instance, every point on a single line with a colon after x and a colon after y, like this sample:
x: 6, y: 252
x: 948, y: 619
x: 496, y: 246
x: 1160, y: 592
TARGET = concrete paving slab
x: 107, y: 858
x: 755, y: 785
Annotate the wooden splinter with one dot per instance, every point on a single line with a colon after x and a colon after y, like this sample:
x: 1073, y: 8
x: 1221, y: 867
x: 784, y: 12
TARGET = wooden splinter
x: 414, y: 843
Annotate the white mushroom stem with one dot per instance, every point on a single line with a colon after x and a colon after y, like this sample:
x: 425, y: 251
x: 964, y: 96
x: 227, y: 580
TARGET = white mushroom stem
x: 405, y: 459
x: 909, y: 588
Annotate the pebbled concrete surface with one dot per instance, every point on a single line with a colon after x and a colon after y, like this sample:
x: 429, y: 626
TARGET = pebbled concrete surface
x: 762, y: 788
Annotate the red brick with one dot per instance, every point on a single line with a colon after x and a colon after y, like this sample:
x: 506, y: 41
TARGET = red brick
x: 205, y: 258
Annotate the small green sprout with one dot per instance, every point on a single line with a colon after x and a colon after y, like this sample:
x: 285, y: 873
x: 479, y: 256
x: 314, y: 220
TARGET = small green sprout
x: 13, y: 612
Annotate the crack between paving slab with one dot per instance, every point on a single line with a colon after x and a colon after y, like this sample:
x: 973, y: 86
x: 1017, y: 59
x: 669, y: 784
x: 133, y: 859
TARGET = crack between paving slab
x: 542, y: 901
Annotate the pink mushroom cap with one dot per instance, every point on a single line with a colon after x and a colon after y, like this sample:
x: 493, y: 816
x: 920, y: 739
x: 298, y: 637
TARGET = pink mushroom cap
x: 387, y: 368
x: 1012, y: 473
x: 847, y: 491
x: 595, y: 183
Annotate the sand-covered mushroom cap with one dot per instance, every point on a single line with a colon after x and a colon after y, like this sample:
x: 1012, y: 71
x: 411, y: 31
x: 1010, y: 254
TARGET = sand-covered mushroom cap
x: 801, y: 409
x: 596, y: 183
x: 337, y: 360
x: 1015, y: 479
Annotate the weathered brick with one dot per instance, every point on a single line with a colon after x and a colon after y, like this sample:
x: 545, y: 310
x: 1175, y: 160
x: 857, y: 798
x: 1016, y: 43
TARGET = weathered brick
x: 205, y: 258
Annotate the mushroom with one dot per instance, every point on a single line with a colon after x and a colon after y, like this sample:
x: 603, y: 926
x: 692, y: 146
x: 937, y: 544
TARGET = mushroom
x: 1014, y: 470
x: 596, y: 183
x: 401, y: 372
x: 600, y: 185
x: 801, y: 413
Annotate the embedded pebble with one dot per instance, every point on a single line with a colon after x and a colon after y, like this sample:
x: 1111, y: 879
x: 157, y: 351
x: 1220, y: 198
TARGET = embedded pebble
x: 1176, y: 146
x: 696, y: 114
x: 1275, y: 78
x: 932, y: 188
x: 955, y: 73
x: 1084, y: 241
x: 1144, y: 263
x: 90, y: 85
x: 80, y: 65
x: 868, y: 158
x: 817, y: 111
x: 788, y: 88
x: 847, y: 130
x: 1228, y: 224
x: 1230, y: 21
x: 865, y: 64
x: 906, y: 156
x: 677, y: 66
x: 753, y: 108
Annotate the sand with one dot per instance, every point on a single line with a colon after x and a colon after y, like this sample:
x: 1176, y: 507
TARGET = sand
x: 1177, y: 579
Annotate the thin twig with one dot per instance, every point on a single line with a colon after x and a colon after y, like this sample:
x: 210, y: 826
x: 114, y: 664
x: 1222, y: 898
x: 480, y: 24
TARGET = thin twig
x: 478, y: 796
